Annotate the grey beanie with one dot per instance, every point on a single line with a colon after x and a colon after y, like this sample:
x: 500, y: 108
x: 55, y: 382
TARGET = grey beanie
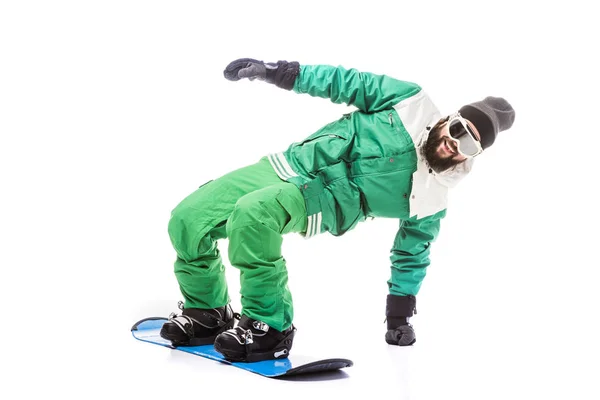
x: 490, y: 116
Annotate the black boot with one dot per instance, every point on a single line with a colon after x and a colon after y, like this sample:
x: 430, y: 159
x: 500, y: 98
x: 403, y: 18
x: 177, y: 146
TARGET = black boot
x: 197, y: 327
x: 253, y: 340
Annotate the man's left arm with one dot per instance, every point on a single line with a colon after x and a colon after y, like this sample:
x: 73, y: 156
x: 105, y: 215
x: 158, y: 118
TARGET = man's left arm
x: 409, y: 259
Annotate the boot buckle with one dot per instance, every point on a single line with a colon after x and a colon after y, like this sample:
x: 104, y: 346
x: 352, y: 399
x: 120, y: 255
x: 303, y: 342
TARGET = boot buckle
x: 261, y: 326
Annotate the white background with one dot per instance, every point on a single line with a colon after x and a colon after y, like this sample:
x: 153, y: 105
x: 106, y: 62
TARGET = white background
x: 111, y: 112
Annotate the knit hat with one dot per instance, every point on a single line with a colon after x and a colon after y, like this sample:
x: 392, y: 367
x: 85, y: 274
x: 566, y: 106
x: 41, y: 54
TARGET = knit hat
x: 490, y: 116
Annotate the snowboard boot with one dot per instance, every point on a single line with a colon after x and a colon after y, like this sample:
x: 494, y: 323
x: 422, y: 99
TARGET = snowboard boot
x: 197, y: 327
x: 253, y: 341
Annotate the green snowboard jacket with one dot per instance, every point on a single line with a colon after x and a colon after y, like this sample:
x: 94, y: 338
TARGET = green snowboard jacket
x: 368, y: 164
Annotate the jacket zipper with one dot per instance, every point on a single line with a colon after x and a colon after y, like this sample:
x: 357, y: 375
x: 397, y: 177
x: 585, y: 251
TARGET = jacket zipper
x: 324, y: 136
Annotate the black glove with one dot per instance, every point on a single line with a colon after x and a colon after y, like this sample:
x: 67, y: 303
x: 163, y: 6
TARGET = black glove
x: 398, y: 310
x: 401, y: 336
x: 282, y: 74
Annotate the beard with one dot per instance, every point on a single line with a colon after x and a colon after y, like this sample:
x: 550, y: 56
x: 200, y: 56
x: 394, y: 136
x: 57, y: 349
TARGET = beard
x: 437, y: 163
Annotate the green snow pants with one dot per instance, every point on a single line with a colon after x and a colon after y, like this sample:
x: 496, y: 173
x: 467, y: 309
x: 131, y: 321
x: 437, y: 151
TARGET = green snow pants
x: 251, y: 207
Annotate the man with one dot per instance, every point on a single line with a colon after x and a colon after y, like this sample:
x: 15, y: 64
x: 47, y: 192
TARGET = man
x: 394, y: 157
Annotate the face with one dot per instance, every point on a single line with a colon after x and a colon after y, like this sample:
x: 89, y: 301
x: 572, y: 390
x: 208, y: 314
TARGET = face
x: 441, y: 150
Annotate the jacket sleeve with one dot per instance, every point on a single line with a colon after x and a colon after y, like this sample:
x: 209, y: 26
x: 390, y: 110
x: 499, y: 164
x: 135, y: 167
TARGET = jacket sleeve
x: 410, y: 253
x: 368, y: 92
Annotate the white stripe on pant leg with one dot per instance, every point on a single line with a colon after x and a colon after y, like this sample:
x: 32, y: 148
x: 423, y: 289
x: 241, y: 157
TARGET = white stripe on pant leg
x: 286, y: 166
x: 314, y: 225
x: 318, y: 227
x: 309, y: 227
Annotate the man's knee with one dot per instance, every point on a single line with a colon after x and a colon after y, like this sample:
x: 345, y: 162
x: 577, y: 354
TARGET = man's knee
x: 249, y: 210
x: 187, y: 229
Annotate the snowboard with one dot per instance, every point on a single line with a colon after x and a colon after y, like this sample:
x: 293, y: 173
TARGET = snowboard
x: 148, y: 330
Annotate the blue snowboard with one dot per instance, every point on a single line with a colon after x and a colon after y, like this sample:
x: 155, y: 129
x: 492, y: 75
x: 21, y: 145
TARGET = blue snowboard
x: 147, y: 330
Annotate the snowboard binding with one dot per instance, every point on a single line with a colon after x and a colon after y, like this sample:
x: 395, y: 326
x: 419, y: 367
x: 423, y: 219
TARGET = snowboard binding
x: 197, y: 327
x: 253, y: 341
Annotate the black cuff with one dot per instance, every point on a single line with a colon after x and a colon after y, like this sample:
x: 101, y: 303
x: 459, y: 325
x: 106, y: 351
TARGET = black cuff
x: 284, y: 76
x: 394, y: 322
x: 400, y: 306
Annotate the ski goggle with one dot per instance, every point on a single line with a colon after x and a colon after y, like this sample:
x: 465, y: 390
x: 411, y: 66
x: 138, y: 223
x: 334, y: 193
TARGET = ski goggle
x: 468, y: 144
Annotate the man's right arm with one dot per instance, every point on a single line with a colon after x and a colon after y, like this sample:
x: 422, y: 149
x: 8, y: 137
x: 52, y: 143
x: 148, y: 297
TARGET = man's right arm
x: 366, y: 91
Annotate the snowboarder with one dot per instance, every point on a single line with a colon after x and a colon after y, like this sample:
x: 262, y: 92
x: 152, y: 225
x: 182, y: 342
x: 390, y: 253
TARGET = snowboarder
x: 396, y: 156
